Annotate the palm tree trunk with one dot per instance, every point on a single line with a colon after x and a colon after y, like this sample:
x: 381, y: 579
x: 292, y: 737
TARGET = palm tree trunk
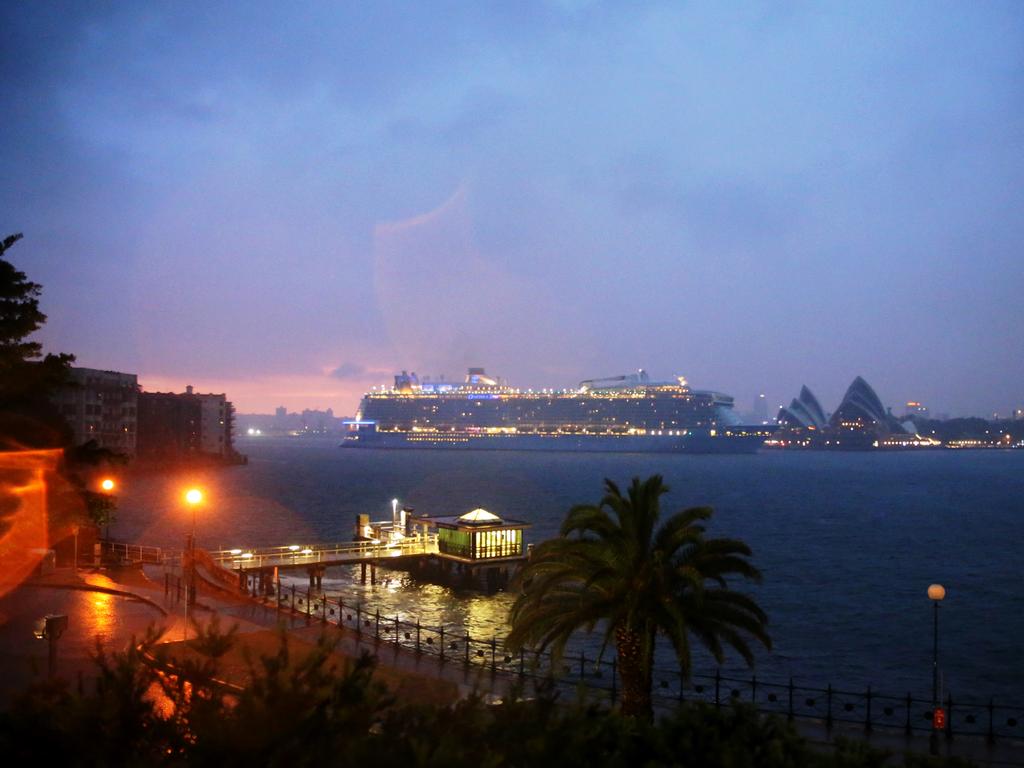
x: 634, y: 673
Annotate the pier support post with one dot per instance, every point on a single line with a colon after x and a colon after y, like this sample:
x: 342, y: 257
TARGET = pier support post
x: 373, y: 573
x: 362, y: 573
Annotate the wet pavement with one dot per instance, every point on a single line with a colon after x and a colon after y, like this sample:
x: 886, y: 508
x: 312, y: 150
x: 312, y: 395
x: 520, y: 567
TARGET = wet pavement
x: 93, y: 617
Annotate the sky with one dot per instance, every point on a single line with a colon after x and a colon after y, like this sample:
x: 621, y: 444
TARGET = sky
x: 291, y: 204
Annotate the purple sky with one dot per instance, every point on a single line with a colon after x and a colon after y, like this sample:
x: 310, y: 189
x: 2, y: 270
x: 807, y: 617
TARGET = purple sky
x: 290, y: 206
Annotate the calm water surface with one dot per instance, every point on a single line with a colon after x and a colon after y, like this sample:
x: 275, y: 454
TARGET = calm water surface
x: 848, y: 543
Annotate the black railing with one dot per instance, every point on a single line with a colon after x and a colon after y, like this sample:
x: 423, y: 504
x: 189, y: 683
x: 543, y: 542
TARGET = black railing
x: 828, y: 706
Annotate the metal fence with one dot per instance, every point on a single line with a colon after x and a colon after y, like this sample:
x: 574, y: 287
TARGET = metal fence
x: 828, y: 706
x: 137, y: 553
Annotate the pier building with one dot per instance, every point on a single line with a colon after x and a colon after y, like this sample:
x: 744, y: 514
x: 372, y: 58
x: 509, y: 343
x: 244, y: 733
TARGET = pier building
x: 477, y: 549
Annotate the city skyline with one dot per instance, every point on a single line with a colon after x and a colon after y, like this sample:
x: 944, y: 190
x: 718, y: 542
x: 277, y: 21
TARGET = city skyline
x: 291, y: 208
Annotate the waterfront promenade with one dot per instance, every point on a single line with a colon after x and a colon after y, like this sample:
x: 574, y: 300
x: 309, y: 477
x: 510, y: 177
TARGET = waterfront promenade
x: 120, y: 605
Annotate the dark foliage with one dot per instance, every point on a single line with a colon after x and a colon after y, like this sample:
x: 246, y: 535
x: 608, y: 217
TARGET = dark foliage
x: 308, y: 713
x: 621, y: 567
x: 27, y: 378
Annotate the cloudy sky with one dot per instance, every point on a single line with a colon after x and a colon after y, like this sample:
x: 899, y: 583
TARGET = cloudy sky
x: 291, y: 205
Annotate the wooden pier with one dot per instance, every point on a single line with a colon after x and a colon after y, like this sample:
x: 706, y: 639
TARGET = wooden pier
x: 258, y: 568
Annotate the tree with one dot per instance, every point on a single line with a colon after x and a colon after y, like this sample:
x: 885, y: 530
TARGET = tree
x: 613, y: 567
x: 27, y: 416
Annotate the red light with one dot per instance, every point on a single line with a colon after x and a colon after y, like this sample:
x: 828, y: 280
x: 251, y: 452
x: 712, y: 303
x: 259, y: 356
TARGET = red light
x: 938, y: 719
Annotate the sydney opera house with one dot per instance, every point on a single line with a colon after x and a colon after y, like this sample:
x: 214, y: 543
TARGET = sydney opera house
x: 860, y: 422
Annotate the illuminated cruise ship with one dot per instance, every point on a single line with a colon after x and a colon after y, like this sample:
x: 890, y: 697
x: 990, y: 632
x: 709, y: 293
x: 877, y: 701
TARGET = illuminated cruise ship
x: 622, y: 413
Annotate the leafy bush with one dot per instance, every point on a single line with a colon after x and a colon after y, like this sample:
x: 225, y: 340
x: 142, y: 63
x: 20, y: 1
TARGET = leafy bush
x: 151, y: 709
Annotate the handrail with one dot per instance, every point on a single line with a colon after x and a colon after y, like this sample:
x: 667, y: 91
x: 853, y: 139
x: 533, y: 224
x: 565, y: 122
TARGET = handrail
x: 259, y: 557
x: 826, y: 705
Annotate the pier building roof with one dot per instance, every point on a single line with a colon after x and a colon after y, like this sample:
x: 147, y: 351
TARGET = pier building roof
x: 474, y: 520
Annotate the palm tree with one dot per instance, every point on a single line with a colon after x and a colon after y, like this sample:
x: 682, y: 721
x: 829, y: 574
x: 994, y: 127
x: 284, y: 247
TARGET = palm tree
x: 613, y: 567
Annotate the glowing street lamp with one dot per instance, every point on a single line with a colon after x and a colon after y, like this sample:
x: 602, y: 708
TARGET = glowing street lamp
x: 193, y: 497
x: 107, y: 486
x: 936, y: 593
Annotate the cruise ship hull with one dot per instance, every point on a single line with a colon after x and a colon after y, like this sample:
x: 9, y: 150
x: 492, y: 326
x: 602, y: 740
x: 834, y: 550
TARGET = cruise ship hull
x: 689, y: 443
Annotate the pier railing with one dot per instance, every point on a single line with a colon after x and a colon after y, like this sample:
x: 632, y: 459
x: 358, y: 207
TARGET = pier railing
x: 349, y: 551
x: 826, y: 706
x: 137, y: 553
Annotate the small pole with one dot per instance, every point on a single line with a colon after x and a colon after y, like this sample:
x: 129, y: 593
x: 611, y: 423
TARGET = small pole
x: 52, y: 642
x: 341, y: 611
x: 467, y: 649
x: 396, y: 631
x: 376, y: 627
x: 359, y: 619
x: 494, y: 655
x: 418, y: 650
x: 442, y: 643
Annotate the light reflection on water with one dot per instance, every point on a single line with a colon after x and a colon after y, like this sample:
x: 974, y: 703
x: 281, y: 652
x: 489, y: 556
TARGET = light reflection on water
x: 99, y: 611
x: 399, y: 594
x: 848, y: 543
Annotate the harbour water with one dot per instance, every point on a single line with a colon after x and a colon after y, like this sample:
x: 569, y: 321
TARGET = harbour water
x: 848, y: 543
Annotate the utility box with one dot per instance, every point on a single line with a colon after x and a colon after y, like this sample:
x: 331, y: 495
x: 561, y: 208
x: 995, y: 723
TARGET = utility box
x: 51, y: 626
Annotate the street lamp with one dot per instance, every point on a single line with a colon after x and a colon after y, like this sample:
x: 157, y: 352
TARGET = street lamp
x: 193, y: 497
x: 107, y: 486
x: 936, y: 593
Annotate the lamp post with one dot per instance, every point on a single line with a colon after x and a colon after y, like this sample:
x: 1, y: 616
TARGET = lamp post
x: 936, y: 592
x: 107, y: 486
x: 193, y: 497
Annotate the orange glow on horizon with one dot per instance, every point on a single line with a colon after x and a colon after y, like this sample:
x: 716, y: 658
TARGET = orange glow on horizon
x: 263, y: 395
